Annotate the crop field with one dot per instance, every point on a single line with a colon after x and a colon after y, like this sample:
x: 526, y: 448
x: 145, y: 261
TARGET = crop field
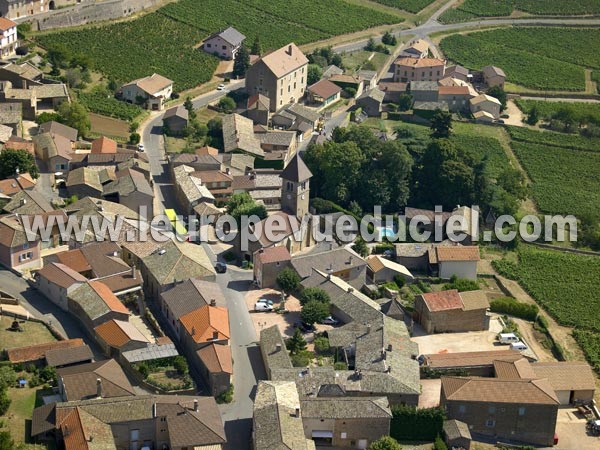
x: 109, y: 106
x: 581, y: 112
x: 165, y: 41
x: 553, y: 139
x: 483, y: 147
x: 566, y: 285
x: 533, y: 57
x: 128, y: 50
x: 413, y: 6
x: 470, y: 9
x: 596, y: 79
x: 565, y: 181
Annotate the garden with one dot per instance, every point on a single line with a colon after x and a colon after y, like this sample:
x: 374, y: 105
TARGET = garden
x: 536, y: 58
x: 167, y: 374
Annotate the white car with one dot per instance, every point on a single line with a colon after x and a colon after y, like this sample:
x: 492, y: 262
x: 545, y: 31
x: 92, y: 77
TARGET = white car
x: 140, y: 147
x: 330, y: 320
x: 262, y: 306
x: 221, y: 87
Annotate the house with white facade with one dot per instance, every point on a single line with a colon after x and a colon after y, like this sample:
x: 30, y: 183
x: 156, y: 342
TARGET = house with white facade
x: 151, y: 92
x: 9, y: 40
x: 224, y: 44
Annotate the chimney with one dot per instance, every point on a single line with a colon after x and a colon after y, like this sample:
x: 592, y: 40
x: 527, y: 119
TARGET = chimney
x: 261, y: 250
x: 227, y: 170
x: 196, y: 405
x: 297, y: 414
x: 277, y: 347
x: 23, y: 201
x: 215, y: 335
x: 213, y: 302
x: 350, y: 290
x: 133, y: 272
x: 389, y: 349
x: 368, y: 328
x: 193, y: 331
x: 350, y: 260
x: 115, y: 254
x: 289, y: 50
x: 98, y: 388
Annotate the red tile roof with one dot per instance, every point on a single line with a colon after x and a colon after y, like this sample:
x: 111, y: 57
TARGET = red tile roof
x: 458, y: 253
x: 274, y: 254
x: 35, y: 352
x: 443, y: 301
x: 108, y: 297
x: 419, y: 62
x: 206, y: 322
x: 324, y: 89
x: 104, y: 145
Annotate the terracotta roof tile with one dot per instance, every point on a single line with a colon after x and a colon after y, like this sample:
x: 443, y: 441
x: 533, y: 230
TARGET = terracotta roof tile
x: 117, y: 333
x: 419, y: 62
x: 216, y: 358
x: 104, y: 145
x: 61, y: 275
x: 273, y: 254
x: 458, y: 253
x: 206, y: 322
x: 442, y: 301
x: 35, y: 352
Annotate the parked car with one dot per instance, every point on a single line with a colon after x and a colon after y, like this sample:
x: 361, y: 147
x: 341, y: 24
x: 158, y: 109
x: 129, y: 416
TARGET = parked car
x: 265, y: 300
x: 518, y: 346
x: 220, y: 267
x: 221, y: 87
x: 504, y: 116
x: 508, y: 338
x: 330, y: 320
x: 500, y: 121
x: 140, y: 147
x: 262, y: 306
x: 306, y: 328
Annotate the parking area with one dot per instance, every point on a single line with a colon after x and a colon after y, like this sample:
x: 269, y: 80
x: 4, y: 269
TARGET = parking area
x: 262, y: 320
x: 472, y: 341
x: 570, y: 428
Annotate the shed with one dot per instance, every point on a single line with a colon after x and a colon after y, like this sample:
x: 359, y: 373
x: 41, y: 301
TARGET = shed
x: 457, y: 434
x: 371, y: 101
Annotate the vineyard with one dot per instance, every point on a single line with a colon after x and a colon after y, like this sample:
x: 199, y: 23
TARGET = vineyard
x: 165, y: 41
x: 564, y: 181
x: 413, y: 6
x: 580, y: 112
x: 128, y: 50
x: 550, y: 138
x: 109, y: 106
x: 566, y: 285
x: 471, y: 9
x: 538, y: 58
x: 483, y: 147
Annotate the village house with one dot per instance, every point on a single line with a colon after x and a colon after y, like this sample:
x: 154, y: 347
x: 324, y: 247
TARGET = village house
x: 392, y: 91
x: 424, y: 91
x: 267, y: 265
x: 16, y: 252
x: 176, y: 120
x: 55, y: 150
x: 199, y: 162
x: 67, y: 357
x: 280, y: 75
x: 369, y: 78
x: 102, y: 379
x: 572, y: 381
x: 340, y: 262
x: 347, y: 82
x: 459, y: 261
x: 94, y: 303
x: 43, y: 96
x: 117, y: 336
x: 24, y: 75
x: 57, y: 281
x: 205, y: 338
x: 483, y: 117
x: 332, y: 70
x: 224, y: 44
x: 418, y: 48
x: 370, y: 101
x: 419, y: 69
x: 218, y: 184
x: 132, y: 190
x: 189, y: 189
x: 485, y: 103
x: 151, y: 92
x: 277, y: 418
x: 382, y: 270
x: 456, y: 97
x: 323, y: 92
x: 28, y: 202
x: 457, y: 72
x: 9, y: 39
x: 457, y: 434
x: 161, y: 421
x: 494, y: 76
x: 257, y: 109
x: 452, y: 312
x: 87, y: 182
x: 263, y: 185
x: 238, y: 136
x: 13, y: 185
x: 57, y: 128
x: 475, y: 364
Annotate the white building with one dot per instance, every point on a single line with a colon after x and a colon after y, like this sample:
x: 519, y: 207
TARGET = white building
x: 224, y: 44
x: 152, y: 92
x: 9, y: 41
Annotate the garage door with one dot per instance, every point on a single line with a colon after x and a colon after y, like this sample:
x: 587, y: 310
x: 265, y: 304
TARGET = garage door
x: 563, y: 397
x: 322, y: 434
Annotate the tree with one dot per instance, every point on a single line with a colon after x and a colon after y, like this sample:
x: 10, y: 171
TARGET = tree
x: 360, y: 247
x: 314, y: 74
x: 288, y: 280
x: 321, y: 344
x: 227, y: 104
x: 143, y: 369
x: 314, y: 311
x: 385, y: 443
x: 371, y: 45
x: 11, y: 160
x: 135, y: 138
x: 296, y: 343
x: 314, y: 294
x: 76, y: 116
x: 190, y: 107
x: 73, y: 77
x: 498, y: 92
x: 441, y: 124
x: 405, y: 102
x: 389, y: 39
x: 6, y: 442
x: 180, y: 365
x: 336, y: 60
x: 439, y: 444
x: 513, y: 181
x: 241, y: 204
x: 47, y: 117
x: 256, y: 47
x: 533, y: 117
x: 241, y: 63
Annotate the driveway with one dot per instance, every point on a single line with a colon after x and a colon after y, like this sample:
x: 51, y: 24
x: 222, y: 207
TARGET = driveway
x: 430, y: 393
x: 570, y: 427
x: 515, y: 116
x: 285, y: 322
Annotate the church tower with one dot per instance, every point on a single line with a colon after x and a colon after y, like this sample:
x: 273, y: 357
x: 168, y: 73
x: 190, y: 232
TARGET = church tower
x: 295, y: 187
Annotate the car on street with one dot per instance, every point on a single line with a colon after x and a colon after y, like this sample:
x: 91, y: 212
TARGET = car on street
x: 330, y: 320
x: 221, y: 267
x: 140, y: 147
x: 265, y: 300
x: 221, y: 87
x: 262, y: 306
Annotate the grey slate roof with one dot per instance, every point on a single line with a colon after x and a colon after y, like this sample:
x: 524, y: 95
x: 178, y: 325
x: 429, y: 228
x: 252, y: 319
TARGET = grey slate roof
x: 28, y: 202
x: 373, y: 93
x: 455, y: 429
x: 303, y: 112
x: 128, y: 182
x: 178, y: 111
x: 424, y: 86
x: 296, y: 170
x: 276, y: 359
x: 333, y: 260
x: 66, y: 356
x: 192, y: 294
x: 231, y: 35
x: 152, y: 351
x: 346, y: 408
x: 53, y: 127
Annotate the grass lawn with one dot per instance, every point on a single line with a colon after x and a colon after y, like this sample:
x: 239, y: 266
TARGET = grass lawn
x: 168, y: 376
x: 353, y: 61
x: 18, y: 418
x: 205, y: 114
x: 35, y: 333
x: 174, y: 145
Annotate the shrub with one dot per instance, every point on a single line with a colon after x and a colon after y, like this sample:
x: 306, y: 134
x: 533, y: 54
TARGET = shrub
x: 461, y: 284
x: 180, y: 365
x: 321, y: 344
x: 143, y: 369
x: 409, y: 423
x: 399, y: 280
x: 439, y: 444
x: 508, y: 305
x: 385, y: 443
x: 296, y: 344
x: 340, y: 365
x: 301, y: 359
x: 226, y: 396
x: 4, y: 402
x: 288, y: 280
x: 314, y: 293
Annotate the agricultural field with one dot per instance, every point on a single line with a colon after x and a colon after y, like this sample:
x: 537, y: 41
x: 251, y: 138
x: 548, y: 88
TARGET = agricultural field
x: 596, y: 79
x: 138, y: 48
x: 581, y: 112
x: 413, y: 6
x: 566, y: 285
x: 554, y: 139
x: 109, y: 106
x: 166, y: 41
x: 556, y: 57
x: 470, y: 9
x: 565, y: 181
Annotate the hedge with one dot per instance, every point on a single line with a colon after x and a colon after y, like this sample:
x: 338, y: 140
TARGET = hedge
x: 508, y: 305
x: 409, y: 423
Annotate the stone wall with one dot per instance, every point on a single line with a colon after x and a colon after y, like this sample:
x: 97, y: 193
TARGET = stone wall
x: 85, y: 13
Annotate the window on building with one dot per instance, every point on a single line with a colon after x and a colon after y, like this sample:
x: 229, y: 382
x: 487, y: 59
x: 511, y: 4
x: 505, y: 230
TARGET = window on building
x: 522, y: 411
x: 491, y: 409
x: 208, y: 44
x: 294, y: 85
x: 224, y: 47
x: 462, y: 409
x: 25, y: 245
x: 289, y: 88
x: 490, y: 423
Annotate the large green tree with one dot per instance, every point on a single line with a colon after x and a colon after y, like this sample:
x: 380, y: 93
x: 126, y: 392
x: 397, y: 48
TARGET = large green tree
x: 314, y: 294
x: 76, y: 116
x: 256, y: 47
x: 385, y: 443
x: 296, y: 344
x: 314, y: 312
x: 11, y: 160
x: 314, y: 73
x: 242, y: 204
x: 498, y: 92
x: 241, y: 63
x: 441, y: 124
x: 288, y: 280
